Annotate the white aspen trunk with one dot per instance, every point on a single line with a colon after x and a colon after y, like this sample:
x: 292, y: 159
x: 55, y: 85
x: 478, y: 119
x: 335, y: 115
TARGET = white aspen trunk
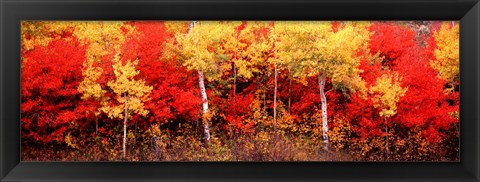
x: 124, y: 131
x: 290, y: 94
x: 235, y: 89
x: 206, y: 128
x: 386, y: 137
x: 275, y: 101
x: 321, y: 83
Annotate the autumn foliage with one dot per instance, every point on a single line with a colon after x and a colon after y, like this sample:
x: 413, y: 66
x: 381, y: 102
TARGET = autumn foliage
x: 240, y: 91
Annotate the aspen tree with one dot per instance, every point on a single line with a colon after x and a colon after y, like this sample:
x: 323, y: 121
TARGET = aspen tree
x: 316, y: 50
x: 130, y: 94
x: 447, y: 53
x: 201, y: 49
x: 386, y: 94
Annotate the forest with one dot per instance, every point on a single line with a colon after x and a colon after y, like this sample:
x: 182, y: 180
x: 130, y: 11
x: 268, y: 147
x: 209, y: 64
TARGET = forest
x: 240, y: 91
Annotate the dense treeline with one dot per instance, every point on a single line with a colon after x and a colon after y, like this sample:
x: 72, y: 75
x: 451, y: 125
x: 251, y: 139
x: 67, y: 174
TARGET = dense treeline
x: 235, y: 91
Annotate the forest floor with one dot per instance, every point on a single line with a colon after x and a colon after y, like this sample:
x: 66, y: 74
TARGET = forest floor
x: 258, y: 148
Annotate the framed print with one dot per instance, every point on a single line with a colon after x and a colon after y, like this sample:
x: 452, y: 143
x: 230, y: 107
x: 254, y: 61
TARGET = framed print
x: 239, y: 90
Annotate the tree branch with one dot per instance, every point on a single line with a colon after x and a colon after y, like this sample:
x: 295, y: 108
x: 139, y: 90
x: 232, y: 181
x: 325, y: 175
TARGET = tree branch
x: 329, y: 91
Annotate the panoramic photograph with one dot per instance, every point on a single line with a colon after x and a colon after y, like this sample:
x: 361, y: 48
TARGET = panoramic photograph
x: 232, y: 91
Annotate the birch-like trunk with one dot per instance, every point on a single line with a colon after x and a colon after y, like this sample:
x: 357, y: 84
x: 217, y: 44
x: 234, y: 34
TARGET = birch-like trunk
x: 290, y: 94
x: 386, y: 136
x: 124, y: 130
x: 201, y: 83
x: 235, y: 89
x: 321, y: 83
x: 206, y: 128
x: 275, y: 101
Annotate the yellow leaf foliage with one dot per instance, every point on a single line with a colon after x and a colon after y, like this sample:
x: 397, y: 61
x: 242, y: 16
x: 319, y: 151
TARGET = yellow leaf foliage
x: 130, y: 93
x: 40, y: 33
x: 254, y: 49
x: 308, y: 47
x: 386, y: 94
x: 102, y: 38
x: 201, y: 48
x: 89, y: 87
x: 177, y: 27
x: 447, y: 52
x: 33, y: 33
x: 342, y: 52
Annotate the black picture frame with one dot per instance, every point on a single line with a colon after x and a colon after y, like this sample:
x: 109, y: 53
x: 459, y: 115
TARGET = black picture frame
x: 12, y: 12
